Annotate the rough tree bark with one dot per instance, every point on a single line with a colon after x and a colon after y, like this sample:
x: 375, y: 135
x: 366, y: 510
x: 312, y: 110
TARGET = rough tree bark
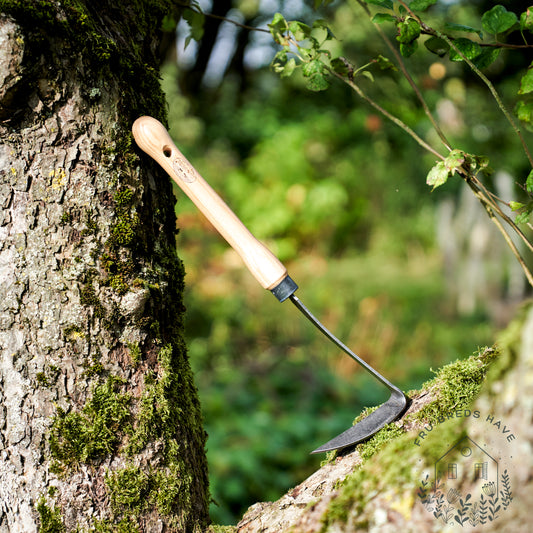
x: 100, y: 426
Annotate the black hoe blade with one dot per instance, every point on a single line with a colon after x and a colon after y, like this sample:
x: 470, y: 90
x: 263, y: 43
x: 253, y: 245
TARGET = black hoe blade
x: 383, y: 415
x: 368, y: 426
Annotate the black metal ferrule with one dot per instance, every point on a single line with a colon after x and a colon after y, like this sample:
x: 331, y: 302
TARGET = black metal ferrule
x: 285, y: 288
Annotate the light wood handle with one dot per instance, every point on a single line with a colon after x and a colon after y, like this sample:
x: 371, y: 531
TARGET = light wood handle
x: 153, y: 138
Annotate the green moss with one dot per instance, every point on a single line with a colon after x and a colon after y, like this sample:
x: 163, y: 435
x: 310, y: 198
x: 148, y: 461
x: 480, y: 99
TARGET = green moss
x: 135, y: 353
x: 78, y: 437
x: 91, y: 227
x: 42, y: 379
x: 49, y: 518
x: 128, y: 489
x: 125, y: 525
x: 456, y: 385
x: 66, y: 218
x: 73, y: 332
x: 88, y: 296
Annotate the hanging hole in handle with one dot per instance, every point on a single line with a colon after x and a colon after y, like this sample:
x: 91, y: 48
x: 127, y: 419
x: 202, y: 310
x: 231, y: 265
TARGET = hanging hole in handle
x: 167, y: 151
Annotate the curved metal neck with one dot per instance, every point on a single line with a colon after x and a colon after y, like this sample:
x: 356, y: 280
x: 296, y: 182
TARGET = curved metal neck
x: 297, y: 302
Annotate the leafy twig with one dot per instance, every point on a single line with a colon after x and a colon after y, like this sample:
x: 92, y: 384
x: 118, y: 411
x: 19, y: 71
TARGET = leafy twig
x: 405, y: 72
x: 492, y: 89
x: 385, y: 113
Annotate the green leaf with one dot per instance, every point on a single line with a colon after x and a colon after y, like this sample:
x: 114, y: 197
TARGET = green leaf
x: 437, y: 46
x: 468, y: 48
x: 278, y: 27
x: 524, y: 111
x: 318, y: 82
x: 529, y: 183
x: 526, y: 84
x: 288, y: 69
x: 315, y: 66
x: 367, y: 74
x: 523, y: 218
x: 408, y: 30
x: 278, y: 22
x: 452, y: 26
x: 380, y: 18
x: 438, y: 175
x: 300, y: 30
x: 407, y: 50
x: 385, y: 63
x: 341, y: 66
x: 454, y: 161
x: 526, y: 20
x: 516, y: 206
x: 169, y: 23
x: 498, y: 19
x: 421, y: 5
x: 323, y: 25
x: 195, y: 20
x: 487, y: 57
x: 387, y: 4
x: 482, y: 162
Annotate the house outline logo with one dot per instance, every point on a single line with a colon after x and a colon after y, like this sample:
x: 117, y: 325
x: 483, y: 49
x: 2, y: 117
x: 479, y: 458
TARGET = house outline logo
x: 466, y: 485
x: 466, y: 459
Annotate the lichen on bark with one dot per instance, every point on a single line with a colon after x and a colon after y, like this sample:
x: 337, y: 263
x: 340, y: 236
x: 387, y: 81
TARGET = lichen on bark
x: 91, y: 346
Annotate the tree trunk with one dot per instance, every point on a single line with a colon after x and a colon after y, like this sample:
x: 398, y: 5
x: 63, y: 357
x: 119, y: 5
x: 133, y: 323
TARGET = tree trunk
x: 100, y: 426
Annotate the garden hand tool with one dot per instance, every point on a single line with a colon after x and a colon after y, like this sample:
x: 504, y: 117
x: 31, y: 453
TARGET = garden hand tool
x: 153, y: 138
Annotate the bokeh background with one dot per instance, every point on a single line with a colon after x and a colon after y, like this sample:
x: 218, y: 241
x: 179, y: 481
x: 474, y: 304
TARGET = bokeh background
x: 410, y: 279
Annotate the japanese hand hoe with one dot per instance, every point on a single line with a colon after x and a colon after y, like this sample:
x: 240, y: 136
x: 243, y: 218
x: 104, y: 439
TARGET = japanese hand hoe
x: 152, y: 137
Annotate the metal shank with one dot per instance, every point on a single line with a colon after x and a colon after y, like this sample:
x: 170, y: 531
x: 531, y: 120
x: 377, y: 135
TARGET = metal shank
x: 373, y: 422
x: 297, y: 302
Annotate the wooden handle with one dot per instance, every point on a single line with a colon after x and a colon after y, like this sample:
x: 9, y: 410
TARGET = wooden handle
x: 153, y: 138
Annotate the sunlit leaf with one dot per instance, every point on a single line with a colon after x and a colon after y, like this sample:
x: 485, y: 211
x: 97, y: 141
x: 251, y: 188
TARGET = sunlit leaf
x: 526, y: 84
x: 454, y: 161
x: 313, y: 67
x: 468, y: 48
x: 300, y: 30
x: 278, y: 27
x: 408, y: 30
x: 526, y: 20
x: 438, y: 175
x: 529, y: 183
x: 367, y: 74
x: 524, y: 111
x: 498, y: 19
x: 323, y: 25
x: 523, y: 218
x: 288, y: 69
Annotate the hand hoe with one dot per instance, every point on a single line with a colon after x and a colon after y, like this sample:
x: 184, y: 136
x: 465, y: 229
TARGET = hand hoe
x: 152, y: 137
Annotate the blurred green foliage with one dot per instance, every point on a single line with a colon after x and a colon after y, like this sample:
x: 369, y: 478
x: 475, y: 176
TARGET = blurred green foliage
x: 340, y: 196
